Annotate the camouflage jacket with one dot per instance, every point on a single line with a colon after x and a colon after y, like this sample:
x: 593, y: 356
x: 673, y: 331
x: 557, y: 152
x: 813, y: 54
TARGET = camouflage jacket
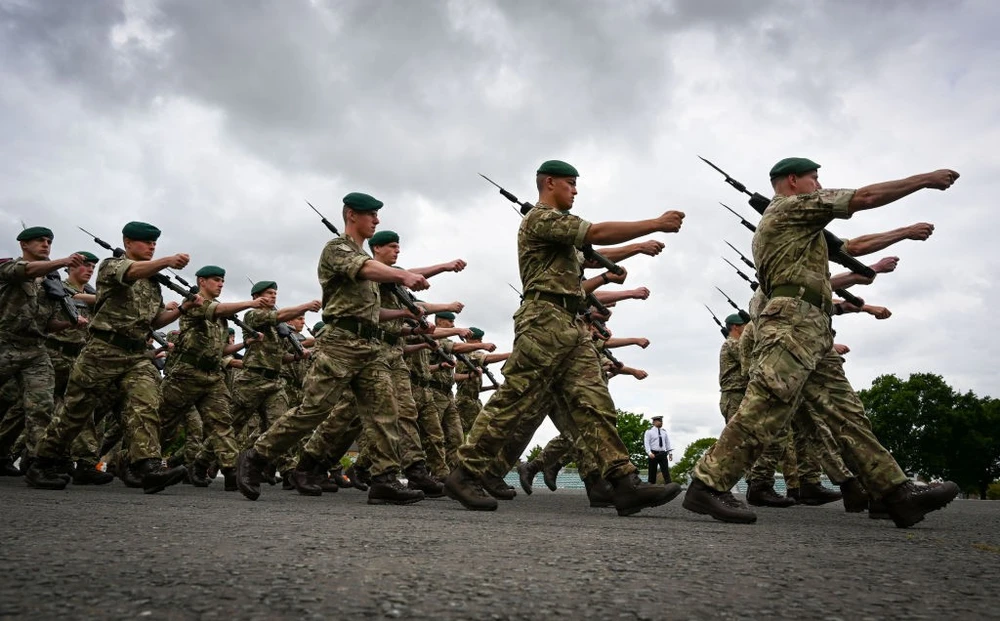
x: 789, y: 247
x: 24, y: 308
x: 547, y: 255
x: 345, y: 294
x: 268, y: 353
x: 74, y: 336
x: 203, y: 335
x: 469, y: 388
x: 124, y: 307
x: 731, y: 374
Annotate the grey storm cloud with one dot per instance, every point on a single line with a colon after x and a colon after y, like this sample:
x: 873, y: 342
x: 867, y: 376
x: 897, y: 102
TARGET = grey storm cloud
x: 215, y: 120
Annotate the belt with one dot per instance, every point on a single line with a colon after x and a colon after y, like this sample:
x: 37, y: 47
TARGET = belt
x: 364, y: 329
x: 440, y: 386
x: 202, y: 363
x: 265, y: 373
x: 135, y: 346
x: 805, y: 294
x: 70, y: 350
x: 572, y: 303
x: 391, y: 338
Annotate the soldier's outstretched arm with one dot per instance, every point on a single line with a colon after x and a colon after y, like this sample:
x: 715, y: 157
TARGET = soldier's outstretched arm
x: 433, y: 270
x: 867, y: 244
x: 147, y: 269
x: 228, y: 309
x: 610, y: 297
x: 602, y: 233
x: 880, y: 194
x: 34, y: 269
x: 291, y: 312
x: 650, y: 247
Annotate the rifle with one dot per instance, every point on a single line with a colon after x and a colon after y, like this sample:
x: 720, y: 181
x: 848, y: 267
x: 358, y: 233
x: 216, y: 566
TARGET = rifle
x: 588, y: 250
x: 745, y: 260
x: 53, y: 286
x: 490, y: 376
x: 753, y: 283
x: 401, y: 294
x: 745, y: 316
x: 611, y: 357
x: 847, y: 296
x: 835, y: 246
x: 160, y: 338
x: 285, y: 331
x: 722, y: 326
x: 194, y: 291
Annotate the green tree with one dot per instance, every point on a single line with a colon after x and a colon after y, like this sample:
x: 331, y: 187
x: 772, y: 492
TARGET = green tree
x: 681, y: 472
x: 534, y: 452
x: 631, y: 428
x: 935, y: 431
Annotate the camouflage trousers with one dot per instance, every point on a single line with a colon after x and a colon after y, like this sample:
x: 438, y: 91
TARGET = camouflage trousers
x: 729, y: 403
x: 451, y: 423
x: 86, y: 446
x: 257, y: 399
x: 344, y: 368
x: 431, y: 432
x: 199, y: 401
x: 792, y: 358
x: 560, y: 451
x: 468, y: 410
x: 30, y: 366
x: 99, y: 369
x: 553, y: 358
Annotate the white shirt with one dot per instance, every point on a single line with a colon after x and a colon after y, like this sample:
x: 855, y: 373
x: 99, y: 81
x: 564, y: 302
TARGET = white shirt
x: 656, y: 439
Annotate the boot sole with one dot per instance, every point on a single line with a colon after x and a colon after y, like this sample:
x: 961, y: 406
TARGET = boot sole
x: 525, y: 485
x: 469, y: 506
x: 309, y: 492
x: 817, y: 502
x: 46, y: 486
x: 552, y: 486
x: 672, y: 493
x: 908, y: 521
x: 698, y: 507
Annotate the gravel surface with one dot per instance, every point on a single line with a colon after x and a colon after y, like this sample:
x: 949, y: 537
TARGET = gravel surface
x: 186, y: 553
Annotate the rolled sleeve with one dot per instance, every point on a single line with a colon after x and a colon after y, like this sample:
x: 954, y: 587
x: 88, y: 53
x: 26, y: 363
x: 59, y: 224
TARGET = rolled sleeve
x: 560, y: 227
x: 837, y: 202
x: 13, y: 271
x: 209, y: 309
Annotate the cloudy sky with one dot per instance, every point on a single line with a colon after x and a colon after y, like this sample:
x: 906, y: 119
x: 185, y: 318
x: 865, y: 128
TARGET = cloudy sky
x: 215, y: 120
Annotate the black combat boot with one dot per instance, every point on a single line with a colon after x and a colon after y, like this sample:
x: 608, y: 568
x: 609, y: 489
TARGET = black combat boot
x: 156, y: 477
x: 250, y: 473
x: 270, y: 475
x: 815, y: 494
x: 722, y: 506
x: 42, y: 474
x: 327, y: 483
x: 286, y: 480
x: 7, y: 468
x: 64, y: 468
x: 387, y: 490
x: 87, y: 474
x: 497, y: 487
x: 909, y: 502
x: 418, y: 478
x: 177, y: 459
x: 229, y: 479
x: 631, y: 495
x: 465, y: 487
x: 526, y: 472
x: 198, y: 475
x: 855, y: 496
x: 793, y: 493
x: 549, y: 475
x: 341, y: 479
x: 599, y: 491
x: 357, y: 477
x: 305, y: 477
x: 762, y: 494
x: 129, y: 475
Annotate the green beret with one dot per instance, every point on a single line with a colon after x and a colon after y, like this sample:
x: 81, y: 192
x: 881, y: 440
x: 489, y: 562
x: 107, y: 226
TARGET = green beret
x: 210, y: 271
x: 262, y: 286
x: 140, y: 231
x: 34, y: 232
x: 232, y: 331
x: 382, y: 238
x: 318, y: 326
x: 88, y: 257
x: 445, y: 315
x: 793, y: 166
x: 476, y: 333
x: 557, y: 168
x: 362, y: 202
x: 734, y: 320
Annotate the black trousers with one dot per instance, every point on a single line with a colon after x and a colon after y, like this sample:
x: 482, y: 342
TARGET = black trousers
x: 660, y: 460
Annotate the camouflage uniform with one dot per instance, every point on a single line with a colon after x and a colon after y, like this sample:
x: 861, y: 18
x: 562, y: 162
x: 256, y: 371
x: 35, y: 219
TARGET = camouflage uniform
x: 428, y: 416
x: 347, y: 361
x: 732, y: 378
x: 793, y: 356
x: 259, y: 389
x: 195, y: 381
x: 467, y: 391
x: 553, y: 354
x: 115, y: 355
x: 560, y: 451
x: 24, y: 315
x: 442, y: 383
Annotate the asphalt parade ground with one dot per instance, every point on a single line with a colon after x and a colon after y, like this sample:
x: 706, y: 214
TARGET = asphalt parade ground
x: 186, y: 553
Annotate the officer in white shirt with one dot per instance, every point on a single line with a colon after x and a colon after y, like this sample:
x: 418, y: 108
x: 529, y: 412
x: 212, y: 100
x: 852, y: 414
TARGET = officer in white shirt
x: 657, y: 444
